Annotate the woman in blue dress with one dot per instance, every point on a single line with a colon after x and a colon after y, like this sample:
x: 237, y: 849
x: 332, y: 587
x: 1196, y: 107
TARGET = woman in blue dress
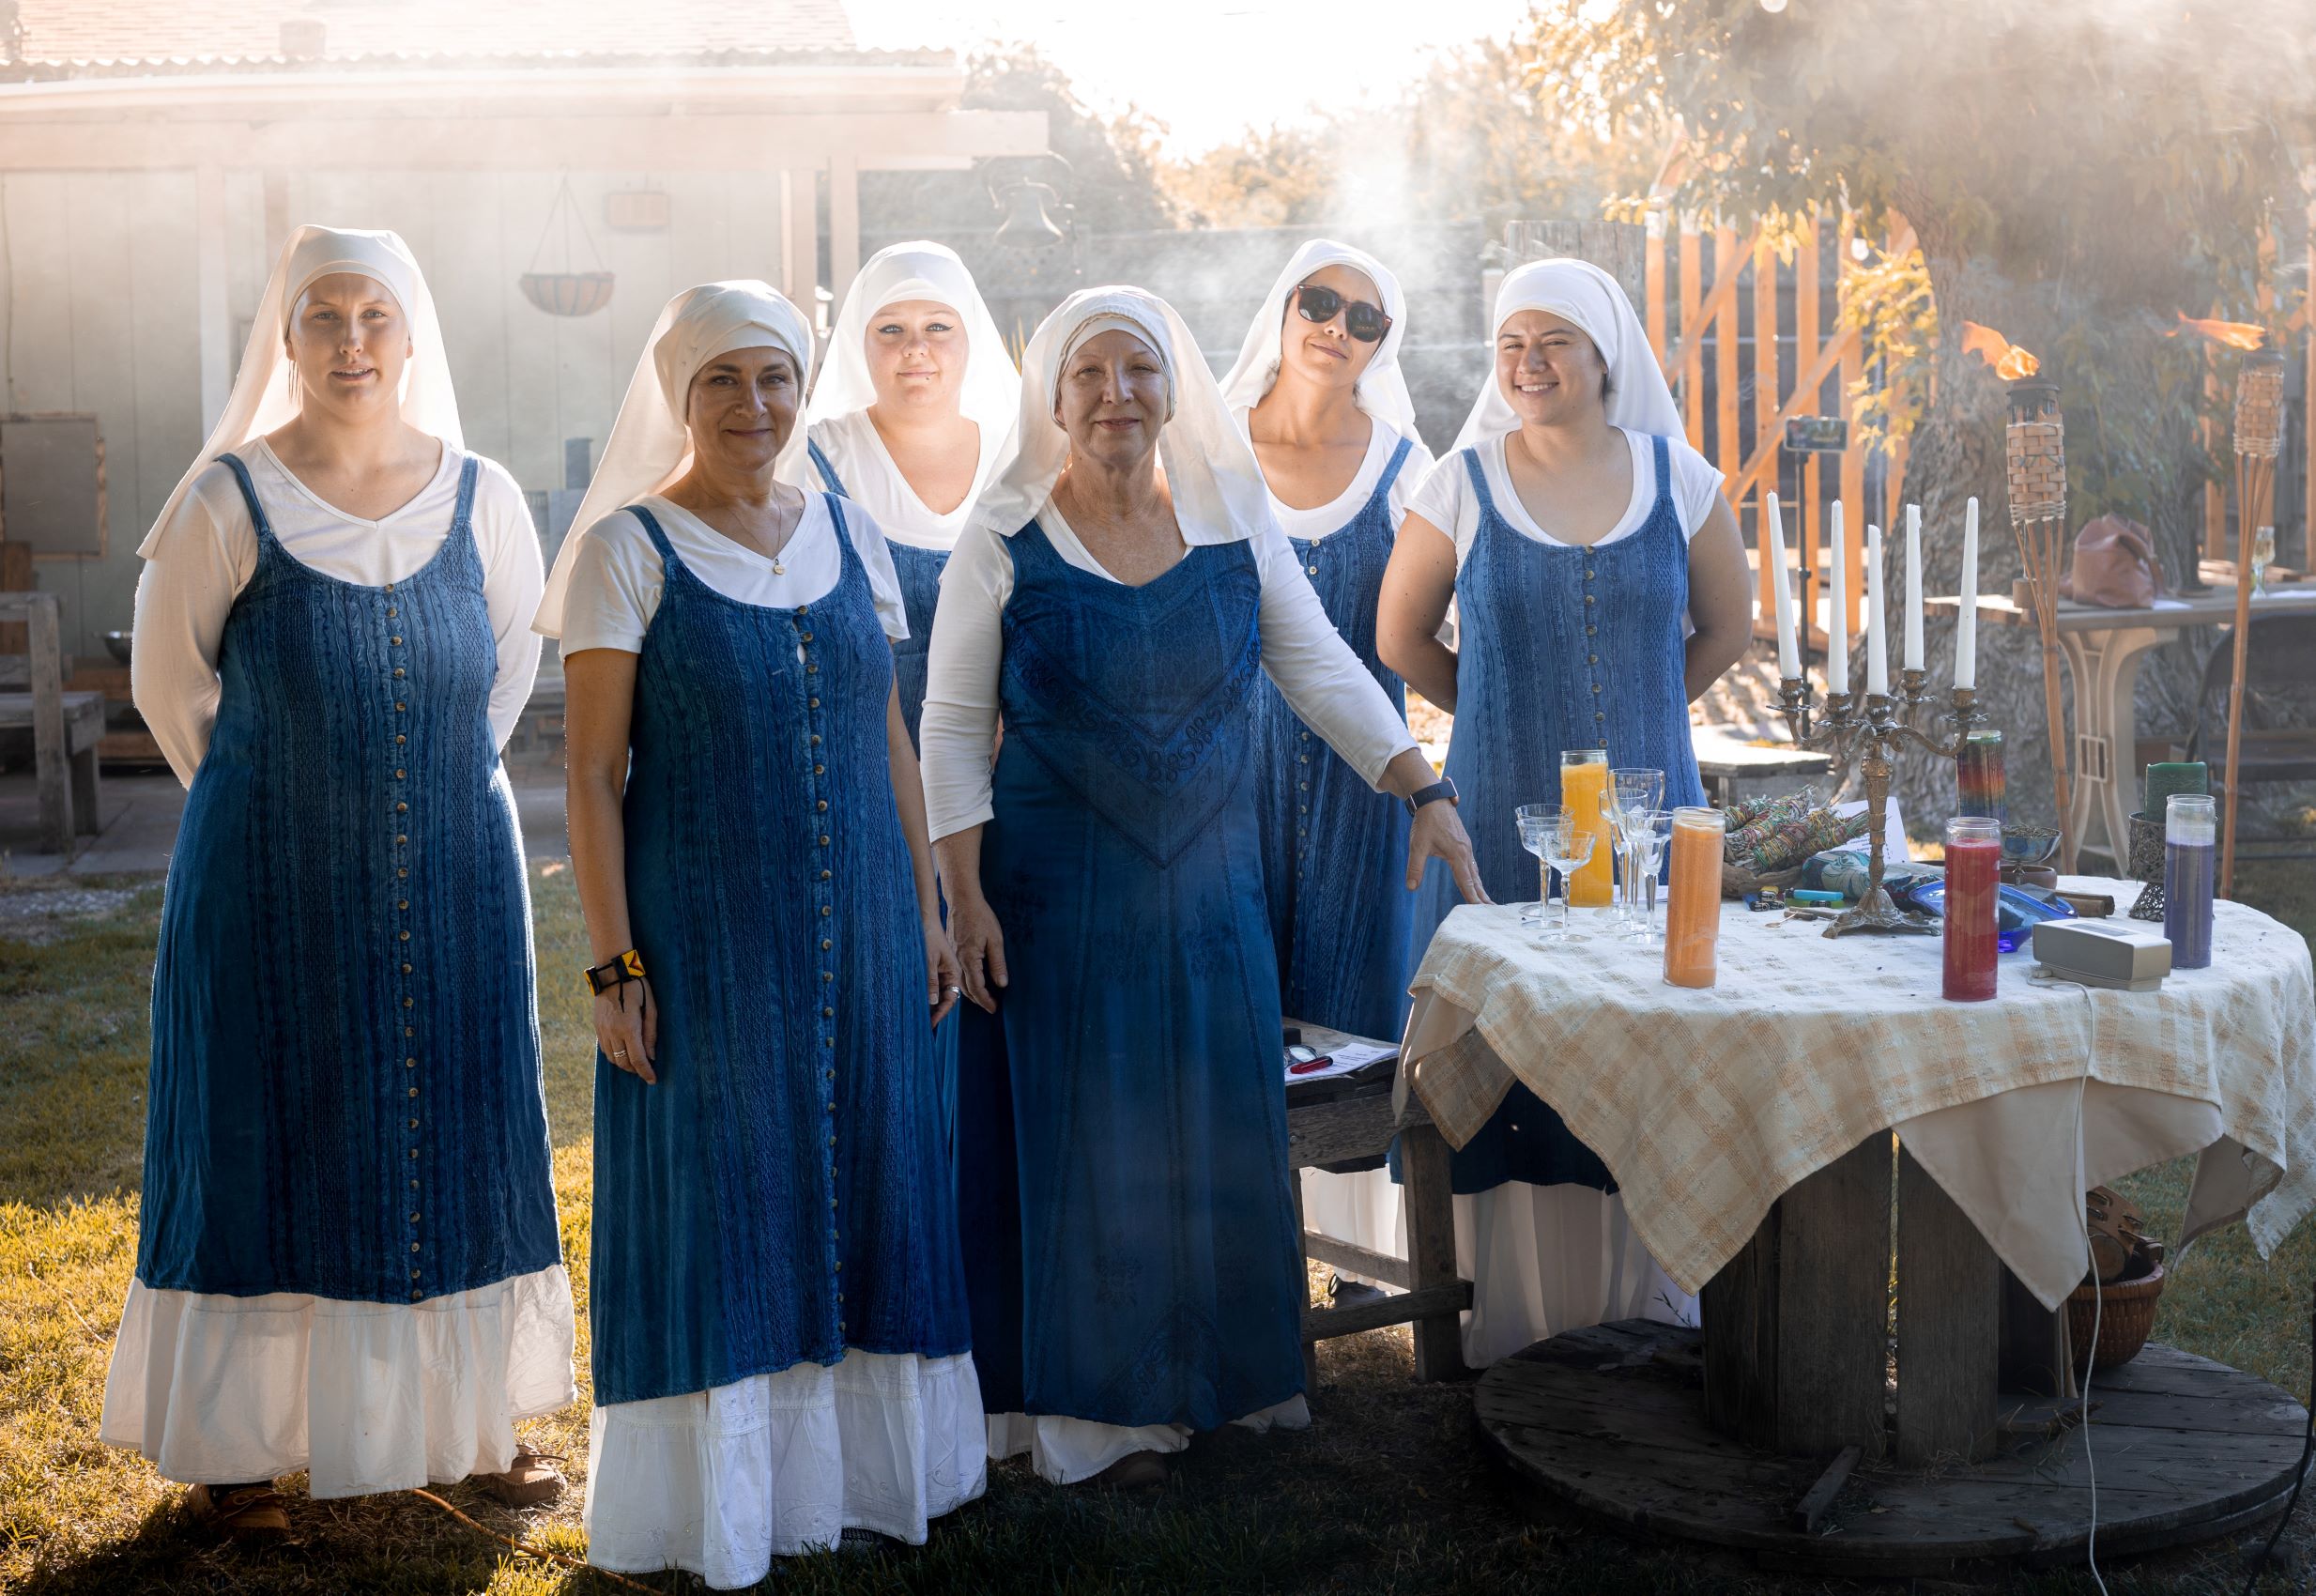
x: 347, y: 1259
x: 1319, y: 391
x: 1599, y: 585
x: 777, y: 1306
x: 1131, y: 1246
x: 911, y: 410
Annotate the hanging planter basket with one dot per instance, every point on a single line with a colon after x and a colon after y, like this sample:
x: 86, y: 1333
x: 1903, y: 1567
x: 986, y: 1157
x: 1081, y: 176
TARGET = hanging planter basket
x: 567, y: 292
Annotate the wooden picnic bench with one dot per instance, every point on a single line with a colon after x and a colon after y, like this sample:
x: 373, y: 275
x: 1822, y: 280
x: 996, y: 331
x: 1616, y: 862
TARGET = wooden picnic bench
x: 66, y: 727
x: 1360, y: 1124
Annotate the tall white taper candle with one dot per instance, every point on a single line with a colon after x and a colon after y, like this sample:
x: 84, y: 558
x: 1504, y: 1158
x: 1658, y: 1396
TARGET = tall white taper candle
x: 1877, y: 622
x: 1966, y: 627
x: 1781, y: 587
x: 1838, y: 613
x: 1914, y: 587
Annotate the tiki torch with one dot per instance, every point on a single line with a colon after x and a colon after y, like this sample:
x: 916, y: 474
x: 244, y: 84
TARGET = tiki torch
x: 2034, y: 443
x: 2258, y: 439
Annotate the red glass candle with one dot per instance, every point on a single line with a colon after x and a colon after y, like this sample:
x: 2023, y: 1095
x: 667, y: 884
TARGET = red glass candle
x: 1973, y: 865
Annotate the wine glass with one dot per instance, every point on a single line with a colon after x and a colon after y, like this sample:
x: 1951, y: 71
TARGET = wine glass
x: 1564, y: 843
x: 1634, y: 790
x: 1530, y: 818
x: 1651, y: 833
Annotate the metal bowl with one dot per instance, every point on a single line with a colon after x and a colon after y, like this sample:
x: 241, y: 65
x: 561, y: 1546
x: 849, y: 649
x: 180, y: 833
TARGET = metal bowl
x: 117, y: 644
x: 2024, y: 846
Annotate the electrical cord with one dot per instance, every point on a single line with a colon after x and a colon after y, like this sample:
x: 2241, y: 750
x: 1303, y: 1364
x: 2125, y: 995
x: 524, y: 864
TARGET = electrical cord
x: 2299, y: 1478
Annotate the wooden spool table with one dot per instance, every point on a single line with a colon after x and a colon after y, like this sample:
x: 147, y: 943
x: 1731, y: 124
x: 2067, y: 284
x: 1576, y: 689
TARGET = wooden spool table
x: 1815, y: 1422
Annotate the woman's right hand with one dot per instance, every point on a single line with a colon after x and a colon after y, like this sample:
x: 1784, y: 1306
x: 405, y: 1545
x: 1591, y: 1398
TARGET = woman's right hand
x: 627, y: 1028
x: 980, y: 948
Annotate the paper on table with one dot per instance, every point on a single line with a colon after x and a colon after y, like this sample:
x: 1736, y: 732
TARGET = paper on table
x: 1893, y: 849
x: 1343, y: 1060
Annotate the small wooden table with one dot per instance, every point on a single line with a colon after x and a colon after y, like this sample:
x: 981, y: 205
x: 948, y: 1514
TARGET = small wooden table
x: 2103, y: 648
x: 1360, y: 1124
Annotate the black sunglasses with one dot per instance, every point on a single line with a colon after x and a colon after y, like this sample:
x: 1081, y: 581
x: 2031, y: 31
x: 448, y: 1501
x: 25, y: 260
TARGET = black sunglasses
x: 1367, y: 323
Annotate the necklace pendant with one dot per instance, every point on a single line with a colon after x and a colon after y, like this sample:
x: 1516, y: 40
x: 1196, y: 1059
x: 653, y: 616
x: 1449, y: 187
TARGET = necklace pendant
x: 779, y: 569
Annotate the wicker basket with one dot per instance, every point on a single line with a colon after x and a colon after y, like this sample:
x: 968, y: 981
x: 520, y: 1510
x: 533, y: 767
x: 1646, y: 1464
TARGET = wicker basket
x: 2126, y: 1313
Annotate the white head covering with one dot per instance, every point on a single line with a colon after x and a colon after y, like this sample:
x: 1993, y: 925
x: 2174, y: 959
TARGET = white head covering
x: 1218, y: 492
x: 1382, y: 391
x: 266, y: 394
x: 918, y: 271
x: 1581, y: 292
x: 650, y: 445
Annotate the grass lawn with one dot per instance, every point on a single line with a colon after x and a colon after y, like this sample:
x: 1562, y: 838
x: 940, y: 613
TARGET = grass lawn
x: 1388, y: 1493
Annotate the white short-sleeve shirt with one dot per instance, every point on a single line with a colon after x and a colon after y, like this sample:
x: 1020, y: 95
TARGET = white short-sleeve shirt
x: 1446, y: 499
x: 618, y: 575
x: 1309, y: 525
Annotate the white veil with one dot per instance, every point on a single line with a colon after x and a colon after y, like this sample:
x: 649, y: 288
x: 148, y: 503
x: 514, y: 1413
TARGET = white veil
x: 1581, y: 292
x: 1218, y: 492
x: 1382, y: 389
x: 649, y: 446
x: 266, y: 394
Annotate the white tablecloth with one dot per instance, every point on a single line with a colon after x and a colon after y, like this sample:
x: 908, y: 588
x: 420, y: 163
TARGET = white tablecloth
x: 1708, y: 1105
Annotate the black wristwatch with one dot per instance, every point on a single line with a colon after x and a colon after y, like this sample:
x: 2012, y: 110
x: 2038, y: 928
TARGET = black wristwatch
x: 1443, y: 787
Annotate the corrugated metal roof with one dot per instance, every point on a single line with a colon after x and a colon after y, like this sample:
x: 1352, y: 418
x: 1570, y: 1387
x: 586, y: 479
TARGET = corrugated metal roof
x: 108, y: 38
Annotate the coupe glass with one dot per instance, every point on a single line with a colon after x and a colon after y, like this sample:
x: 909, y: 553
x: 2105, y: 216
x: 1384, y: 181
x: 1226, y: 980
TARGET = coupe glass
x: 1563, y: 840
x: 1530, y: 820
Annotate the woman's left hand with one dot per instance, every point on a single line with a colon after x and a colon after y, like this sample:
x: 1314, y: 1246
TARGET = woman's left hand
x: 942, y: 976
x: 1437, y: 833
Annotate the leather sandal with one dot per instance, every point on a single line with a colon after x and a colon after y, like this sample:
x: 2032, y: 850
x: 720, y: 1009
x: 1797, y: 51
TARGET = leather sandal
x: 530, y: 1480
x: 252, y: 1514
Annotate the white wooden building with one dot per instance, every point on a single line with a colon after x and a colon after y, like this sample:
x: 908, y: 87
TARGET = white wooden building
x: 155, y: 153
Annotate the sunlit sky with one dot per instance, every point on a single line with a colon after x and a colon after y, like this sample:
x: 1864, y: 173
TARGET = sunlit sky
x: 1205, y: 68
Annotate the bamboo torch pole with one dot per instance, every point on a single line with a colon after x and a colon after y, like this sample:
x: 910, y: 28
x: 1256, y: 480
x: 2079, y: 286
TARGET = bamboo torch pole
x: 2035, y: 445
x: 2258, y: 438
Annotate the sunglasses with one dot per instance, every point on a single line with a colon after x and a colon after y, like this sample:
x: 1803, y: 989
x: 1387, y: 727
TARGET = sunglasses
x: 1367, y: 323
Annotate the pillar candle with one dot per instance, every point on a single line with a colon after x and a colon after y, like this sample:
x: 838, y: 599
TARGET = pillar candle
x: 1966, y: 625
x: 1914, y: 587
x: 1781, y: 587
x: 1876, y: 621
x: 1693, y: 909
x: 2163, y: 780
x: 1584, y: 788
x: 1838, y: 613
x: 1973, y: 865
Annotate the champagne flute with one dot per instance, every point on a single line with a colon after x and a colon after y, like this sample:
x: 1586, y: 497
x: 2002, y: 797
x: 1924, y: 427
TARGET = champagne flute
x: 1634, y: 790
x: 1652, y: 834
x: 1565, y: 843
x: 1530, y: 820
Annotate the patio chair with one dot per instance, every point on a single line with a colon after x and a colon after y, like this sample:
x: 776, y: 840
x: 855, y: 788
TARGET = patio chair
x: 2278, y: 743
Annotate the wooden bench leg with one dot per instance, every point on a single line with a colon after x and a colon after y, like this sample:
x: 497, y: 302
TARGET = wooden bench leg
x: 87, y: 791
x: 1431, y: 1248
x: 1302, y: 1256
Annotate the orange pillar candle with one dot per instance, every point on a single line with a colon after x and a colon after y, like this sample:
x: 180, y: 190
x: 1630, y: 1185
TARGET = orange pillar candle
x: 1692, y: 909
x: 1584, y: 788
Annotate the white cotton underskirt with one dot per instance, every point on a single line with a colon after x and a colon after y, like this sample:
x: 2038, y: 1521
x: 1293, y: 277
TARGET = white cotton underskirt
x: 366, y: 1396
x: 719, y: 1483
x: 1066, y: 1451
x: 1542, y: 1259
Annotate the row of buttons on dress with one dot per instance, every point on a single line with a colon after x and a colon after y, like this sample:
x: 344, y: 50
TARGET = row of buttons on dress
x: 1592, y: 658
x: 398, y: 656
x: 823, y: 898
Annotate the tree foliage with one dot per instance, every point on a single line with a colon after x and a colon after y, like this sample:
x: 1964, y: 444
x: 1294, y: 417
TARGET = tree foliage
x: 1470, y: 138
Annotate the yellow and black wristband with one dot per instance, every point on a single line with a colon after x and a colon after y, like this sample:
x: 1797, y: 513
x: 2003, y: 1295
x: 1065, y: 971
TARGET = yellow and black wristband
x: 614, y: 972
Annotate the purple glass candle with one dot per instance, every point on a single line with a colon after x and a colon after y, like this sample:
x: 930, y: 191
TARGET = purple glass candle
x: 2190, y: 852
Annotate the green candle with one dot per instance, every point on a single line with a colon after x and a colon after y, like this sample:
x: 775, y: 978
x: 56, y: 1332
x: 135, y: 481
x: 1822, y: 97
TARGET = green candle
x: 2164, y: 781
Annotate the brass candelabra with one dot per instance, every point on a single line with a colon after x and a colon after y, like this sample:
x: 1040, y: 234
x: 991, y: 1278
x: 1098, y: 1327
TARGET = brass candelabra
x: 1870, y: 728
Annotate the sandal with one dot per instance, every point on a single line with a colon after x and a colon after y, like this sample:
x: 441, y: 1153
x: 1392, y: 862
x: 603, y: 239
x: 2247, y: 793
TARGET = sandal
x: 530, y: 1480
x: 252, y: 1514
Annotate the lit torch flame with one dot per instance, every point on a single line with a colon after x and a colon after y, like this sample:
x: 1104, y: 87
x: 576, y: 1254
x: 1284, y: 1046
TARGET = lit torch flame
x: 2010, y: 363
x: 2232, y: 334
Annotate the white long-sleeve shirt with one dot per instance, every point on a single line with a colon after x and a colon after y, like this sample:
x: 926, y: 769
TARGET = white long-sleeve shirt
x: 1315, y: 670
x: 208, y: 552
